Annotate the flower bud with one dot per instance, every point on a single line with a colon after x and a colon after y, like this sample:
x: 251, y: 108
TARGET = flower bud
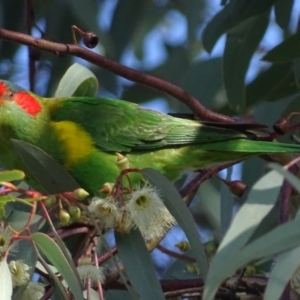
x: 122, y: 162
x: 193, y: 268
x: 64, y: 217
x: 80, y: 194
x: 211, y: 247
x: 281, y: 126
x: 237, y: 187
x: 50, y: 201
x: 107, y: 188
x: 75, y: 212
x: 250, y: 271
x: 184, y: 246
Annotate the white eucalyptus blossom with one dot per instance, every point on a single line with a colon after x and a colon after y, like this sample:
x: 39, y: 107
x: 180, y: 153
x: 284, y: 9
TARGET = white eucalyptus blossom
x: 34, y: 291
x: 149, y: 212
x: 87, y: 271
x: 5, y: 239
x: 19, y: 272
x: 105, y: 210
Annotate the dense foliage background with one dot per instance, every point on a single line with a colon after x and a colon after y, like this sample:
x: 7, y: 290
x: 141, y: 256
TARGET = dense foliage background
x: 239, y: 58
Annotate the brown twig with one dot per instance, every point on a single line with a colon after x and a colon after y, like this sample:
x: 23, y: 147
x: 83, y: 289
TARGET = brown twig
x: 175, y: 254
x: 201, y: 177
x: 119, y: 69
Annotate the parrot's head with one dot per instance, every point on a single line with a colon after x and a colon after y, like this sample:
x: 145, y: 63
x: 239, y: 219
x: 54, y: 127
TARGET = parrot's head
x: 21, y: 112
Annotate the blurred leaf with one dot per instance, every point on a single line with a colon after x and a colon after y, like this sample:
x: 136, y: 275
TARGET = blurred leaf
x: 6, y: 198
x: 285, y: 266
x: 283, y: 10
x: 5, y: 281
x: 117, y: 295
x: 27, y: 254
x: 217, y: 26
x: 11, y: 175
x: 59, y: 292
x: 204, y: 80
x: 48, y: 247
x: 18, y: 219
x: 228, y: 258
x: 193, y: 11
x: 226, y: 209
x: 180, y: 212
x: 241, y: 44
x: 234, y: 13
x: 8, y: 9
x: 47, y: 171
x: 286, y: 51
x: 276, y: 82
x: 138, y: 264
x: 174, y: 68
x: 138, y: 94
x: 153, y: 15
x: 294, y: 181
x: 292, y: 107
x: 126, y: 19
x: 78, y: 81
x: 210, y: 205
x: 177, y: 270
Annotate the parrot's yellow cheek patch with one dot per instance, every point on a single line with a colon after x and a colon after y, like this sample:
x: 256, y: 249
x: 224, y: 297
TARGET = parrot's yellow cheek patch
x: 76, y: 142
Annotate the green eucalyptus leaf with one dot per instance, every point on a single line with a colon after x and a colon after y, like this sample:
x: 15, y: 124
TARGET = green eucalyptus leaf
x: 6, y: 198
x: 276, y: 82
x: 47, y: 171
x: 241, y: 43
x: 181, y: 213
x: 283, y: 10
x: 78, y: 81
x: 138, y: 264
x: 28, y: 255
x: 232, y: 15
x: 53, y: 253
x: 285, y: 266
x: 286, y: 51
x: 261, y: 200
x: 11, y: 175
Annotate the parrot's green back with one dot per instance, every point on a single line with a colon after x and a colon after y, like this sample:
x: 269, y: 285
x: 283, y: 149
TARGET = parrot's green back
x: 84, y: 135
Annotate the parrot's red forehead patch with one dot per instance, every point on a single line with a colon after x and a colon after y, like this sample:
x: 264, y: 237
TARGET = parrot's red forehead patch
x: 28, y: 103
x: 3, y: 88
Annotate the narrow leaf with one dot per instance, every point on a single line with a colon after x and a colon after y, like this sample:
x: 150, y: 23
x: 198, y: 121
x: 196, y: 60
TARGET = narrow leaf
x: 47, y: 171
x: 5, y: 281
x: 77, y: 81
x: 286, y: 51
x: 283, y: 10
x: 138, y: 264
x: 11, y: 175
x: 261, y: 200
x: 183, y: 216
x: 287, y: 175
x: 241, y: 43
x: 285, y: 266
x: 55, y: 256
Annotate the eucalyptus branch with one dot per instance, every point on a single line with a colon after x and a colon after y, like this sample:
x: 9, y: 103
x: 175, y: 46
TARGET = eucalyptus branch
x: 118, y: 69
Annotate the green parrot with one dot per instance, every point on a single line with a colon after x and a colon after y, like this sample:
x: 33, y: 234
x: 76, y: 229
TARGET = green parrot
x: 85, y: 133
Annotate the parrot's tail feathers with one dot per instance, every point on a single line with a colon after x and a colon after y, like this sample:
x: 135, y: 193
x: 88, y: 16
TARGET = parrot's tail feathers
x: 242, y: 145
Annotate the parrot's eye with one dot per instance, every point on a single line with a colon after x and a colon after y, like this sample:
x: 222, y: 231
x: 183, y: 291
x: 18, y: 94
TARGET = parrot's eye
x: 10, y: 94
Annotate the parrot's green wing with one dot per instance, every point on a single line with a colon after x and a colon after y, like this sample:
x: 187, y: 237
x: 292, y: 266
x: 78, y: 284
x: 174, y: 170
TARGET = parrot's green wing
x: 121, y: 126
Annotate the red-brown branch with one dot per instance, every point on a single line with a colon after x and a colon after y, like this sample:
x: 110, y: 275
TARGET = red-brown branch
x: 119, y: 69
